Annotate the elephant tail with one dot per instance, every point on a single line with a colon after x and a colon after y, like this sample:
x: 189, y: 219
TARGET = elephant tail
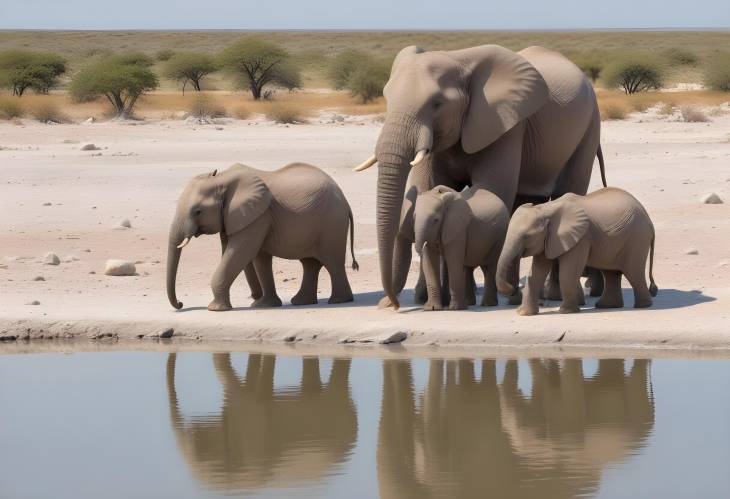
x: 602, y: 165
x: 355, y: 265
x: 653, y: 289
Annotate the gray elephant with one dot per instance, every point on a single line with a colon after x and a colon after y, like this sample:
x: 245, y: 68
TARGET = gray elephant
x: 608, y: 230
x: 522, y: 125
x: 467, y: 230
x: 297, y: 212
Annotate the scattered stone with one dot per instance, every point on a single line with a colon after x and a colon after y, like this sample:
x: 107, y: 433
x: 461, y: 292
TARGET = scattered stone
x: 47, y: 204
x: 290, y: 338
x: 34, y: 302
x: 394, y: 338
x: 711, y: 198
x: 692, y: 251
x: 90, y: 147
x: 162, y: 333
x: 125, y: 223
x: 51, y: 259
x: 39, y: 278
x: 119, y: 268
x: 562, y: 336
x: 92, y: 272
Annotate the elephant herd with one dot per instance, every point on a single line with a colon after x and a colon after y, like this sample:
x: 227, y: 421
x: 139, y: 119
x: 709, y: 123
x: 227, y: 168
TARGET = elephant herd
x: 463, y: 435
x: 484, y: 158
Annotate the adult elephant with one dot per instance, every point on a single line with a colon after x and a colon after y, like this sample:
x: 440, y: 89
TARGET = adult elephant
x: 524, y: 125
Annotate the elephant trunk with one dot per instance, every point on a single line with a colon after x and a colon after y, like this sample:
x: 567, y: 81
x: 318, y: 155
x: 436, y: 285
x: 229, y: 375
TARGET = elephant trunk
x: 399, y: 140
x: 508, y: 266
x: 176, y: 237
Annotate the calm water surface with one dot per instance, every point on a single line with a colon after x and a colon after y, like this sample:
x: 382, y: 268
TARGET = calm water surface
x: 190, y: 425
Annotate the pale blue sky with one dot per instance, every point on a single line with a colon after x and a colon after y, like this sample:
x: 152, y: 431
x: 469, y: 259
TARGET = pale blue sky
x: 363, y: 14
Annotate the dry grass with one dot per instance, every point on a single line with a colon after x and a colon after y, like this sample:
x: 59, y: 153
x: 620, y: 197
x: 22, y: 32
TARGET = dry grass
x: 613, y: 111
x: 693, y: 114
x: 287, y: 113
x: 615, y: 100
x: 48, y: 111
x: 241, y: 113
x: 11, y: 108
x: 205, y: 106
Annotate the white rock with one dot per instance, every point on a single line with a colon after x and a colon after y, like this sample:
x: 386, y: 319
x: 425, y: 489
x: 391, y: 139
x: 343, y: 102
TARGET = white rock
x: 51, y: 259
x: 119, y: 268
x: 125, y: 223
x: 711, y: 198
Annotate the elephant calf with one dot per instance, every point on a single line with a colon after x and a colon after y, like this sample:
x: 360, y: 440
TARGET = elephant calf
x: 467, y: 229
x: 608, y: 230
x: 297, y: 212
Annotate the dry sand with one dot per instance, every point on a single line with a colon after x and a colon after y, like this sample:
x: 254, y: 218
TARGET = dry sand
x: 142, y: 167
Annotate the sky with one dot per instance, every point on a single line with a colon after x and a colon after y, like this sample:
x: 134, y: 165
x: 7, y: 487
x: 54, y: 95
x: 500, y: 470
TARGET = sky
x: 363, y: 14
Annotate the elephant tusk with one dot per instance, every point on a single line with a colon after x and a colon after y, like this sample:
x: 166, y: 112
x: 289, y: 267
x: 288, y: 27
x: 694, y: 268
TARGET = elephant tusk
x: 184, y: 243
x: 420, y: 156
x: 366, y: 164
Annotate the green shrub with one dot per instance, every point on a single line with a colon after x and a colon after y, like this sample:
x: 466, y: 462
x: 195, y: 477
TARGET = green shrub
x: 48, y: 111
x: 204, y: 106
x: 189, y: 67
x: 343, y: 65
x: 285, y: 113
x: 260, y: 64
x: 21, y: 70
x: 164, y: 55
x: 681, y: 57
x: 10, y: 109
x: 121, y: 78
x: 634, y: 73
x: 368, y: 80
x: 717, y: 72
x: 591, y: 65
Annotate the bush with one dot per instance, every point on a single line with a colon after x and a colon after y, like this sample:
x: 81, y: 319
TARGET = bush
x: 189, y: 67
x: 10, y: 109
x: 343, y: 65
x: 613, y: 112
x: 717, y: 73
x: 21, y: 70
x: 164, y: 55
x: 48, y: 111
x: 667, y: 109
x: 693, y: 114
x: 681, y: 57
x: 591, y: 65
x: 203, y: 106
x: 260, y: 64
x: 285, y: 113
x: 368, y: 80
x: 121, y: 78
x: 634, y: 73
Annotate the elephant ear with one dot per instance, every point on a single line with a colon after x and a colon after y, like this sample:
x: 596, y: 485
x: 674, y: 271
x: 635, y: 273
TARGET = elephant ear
x: 567, y: 225
x: 456, y: 217
x: 245, y: 200
x: 504, y: 89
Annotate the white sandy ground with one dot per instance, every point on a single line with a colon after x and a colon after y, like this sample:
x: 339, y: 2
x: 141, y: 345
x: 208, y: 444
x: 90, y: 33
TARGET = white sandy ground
x: 142, y: 168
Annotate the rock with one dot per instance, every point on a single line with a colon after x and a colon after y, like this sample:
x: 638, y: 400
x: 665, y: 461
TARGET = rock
x: 119, y: 268
x: 39, y: 278
x: 34, y: 302
x: 46, y: 204
x: 89, y: 120
x: 711, y: 198
x: 92, y: 272
x: 125, y: 223
x: 51, y: 259
x: 90, y: 147
x: 394, y: 338
x: 162, y: 333
x: 692, y: 251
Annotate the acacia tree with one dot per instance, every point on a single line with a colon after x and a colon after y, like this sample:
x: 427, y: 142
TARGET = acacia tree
x: 21, y: 70
x: 635, y: 73
x: 121, y: 78
x: 260, y: 64
x: 189, y: 67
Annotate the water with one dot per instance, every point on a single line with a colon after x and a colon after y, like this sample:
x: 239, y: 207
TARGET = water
x: 191, y: 425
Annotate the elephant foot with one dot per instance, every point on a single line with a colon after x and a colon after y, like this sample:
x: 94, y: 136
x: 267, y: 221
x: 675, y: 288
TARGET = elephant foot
x: 343, y: 298
x: 267, y: 302
x: 430, y: 306
x: 421, y: 294
x: 595, y: 284
x: 489, y: 302
x: 303, y: 299
x: 515, y: 299
x: 609, y: 303
x: 643, y: 303
x: 385, y: 302
x: 219, y: 306
x: 569, y: 309
x: 527, y: 310
x: 454, y: 305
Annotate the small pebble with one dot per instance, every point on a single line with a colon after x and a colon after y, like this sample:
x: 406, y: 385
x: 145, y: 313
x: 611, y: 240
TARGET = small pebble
x: 39, y: 278
x: 51, y: 259
x: 125, y: 223
x: 34, y: 302
x: 692, y: 251
x: 711, y: 198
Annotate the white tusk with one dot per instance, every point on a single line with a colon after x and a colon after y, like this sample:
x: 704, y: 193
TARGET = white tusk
x: 366, y: 164
x: 184, y: 243
x: 420, y: 155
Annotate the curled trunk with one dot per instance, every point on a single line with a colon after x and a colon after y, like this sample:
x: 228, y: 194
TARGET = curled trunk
x: 173, y: 259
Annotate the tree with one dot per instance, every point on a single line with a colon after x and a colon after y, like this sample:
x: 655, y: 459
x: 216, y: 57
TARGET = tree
x: 260, y: 64
x: 189, y: 67
x: 717, y: 73
x: 343, y: 65
x: 590, y: 65
x: 368, y: 80
x: 121, y: 78
x: 635, y: 73
x: 21, y: 70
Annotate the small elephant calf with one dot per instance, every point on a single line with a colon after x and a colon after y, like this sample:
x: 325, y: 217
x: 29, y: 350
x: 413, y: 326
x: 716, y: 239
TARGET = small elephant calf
x: 467, y: 229
x: 608, y: 230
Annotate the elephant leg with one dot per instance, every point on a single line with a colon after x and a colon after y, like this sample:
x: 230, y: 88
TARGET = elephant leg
x: 611, y: 296
x: 421, y: 291
x: 454, y: 254
x: 635, y: 274
x: 307, y: 294
x: 576, y: 174
x: 572, y: 264
x: 445, y: 293
x: 489, y: 299
x: 253, y: 281
x: 595, y: 281
x: 431, y: 264
x: 341, y: 291
x: 535, y: 282
x: 470, y: 286
x: 269, y: 298
x: 551, y: 291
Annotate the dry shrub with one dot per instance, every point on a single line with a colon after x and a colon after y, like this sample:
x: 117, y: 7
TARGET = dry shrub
x: 242, y: 113
x: 46, y: 111
x: 285, y: 113
x: 11, y: 108
x: 639, y: 102
x: 693, y: 114
x: 204, y: 106
x: 613, y: 112
x: 667, y: 109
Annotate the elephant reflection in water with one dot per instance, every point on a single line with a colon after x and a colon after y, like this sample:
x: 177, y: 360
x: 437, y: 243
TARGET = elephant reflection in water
x: 472, y: 437
x: 263, y: 436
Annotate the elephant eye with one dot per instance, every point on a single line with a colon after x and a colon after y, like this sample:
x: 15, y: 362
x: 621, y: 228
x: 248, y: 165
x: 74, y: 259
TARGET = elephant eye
x: 197, y: 211
x: 437, y: 104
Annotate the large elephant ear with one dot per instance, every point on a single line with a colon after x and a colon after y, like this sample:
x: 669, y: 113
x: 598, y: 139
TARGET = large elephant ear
x: 504, y: 89
x: 246, y: 199
x: 567, y: 224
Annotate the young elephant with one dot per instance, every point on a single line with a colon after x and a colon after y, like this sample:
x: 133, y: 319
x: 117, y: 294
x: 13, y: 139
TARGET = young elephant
x: 296, y: 212
x: 467, y: 228
x: 608, y: 229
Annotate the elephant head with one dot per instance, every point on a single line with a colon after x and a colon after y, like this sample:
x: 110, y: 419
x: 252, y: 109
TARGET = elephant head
x: 429, y: 215
x: 214, y: 203
x: 551, y: 228
x: 436, y: 100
